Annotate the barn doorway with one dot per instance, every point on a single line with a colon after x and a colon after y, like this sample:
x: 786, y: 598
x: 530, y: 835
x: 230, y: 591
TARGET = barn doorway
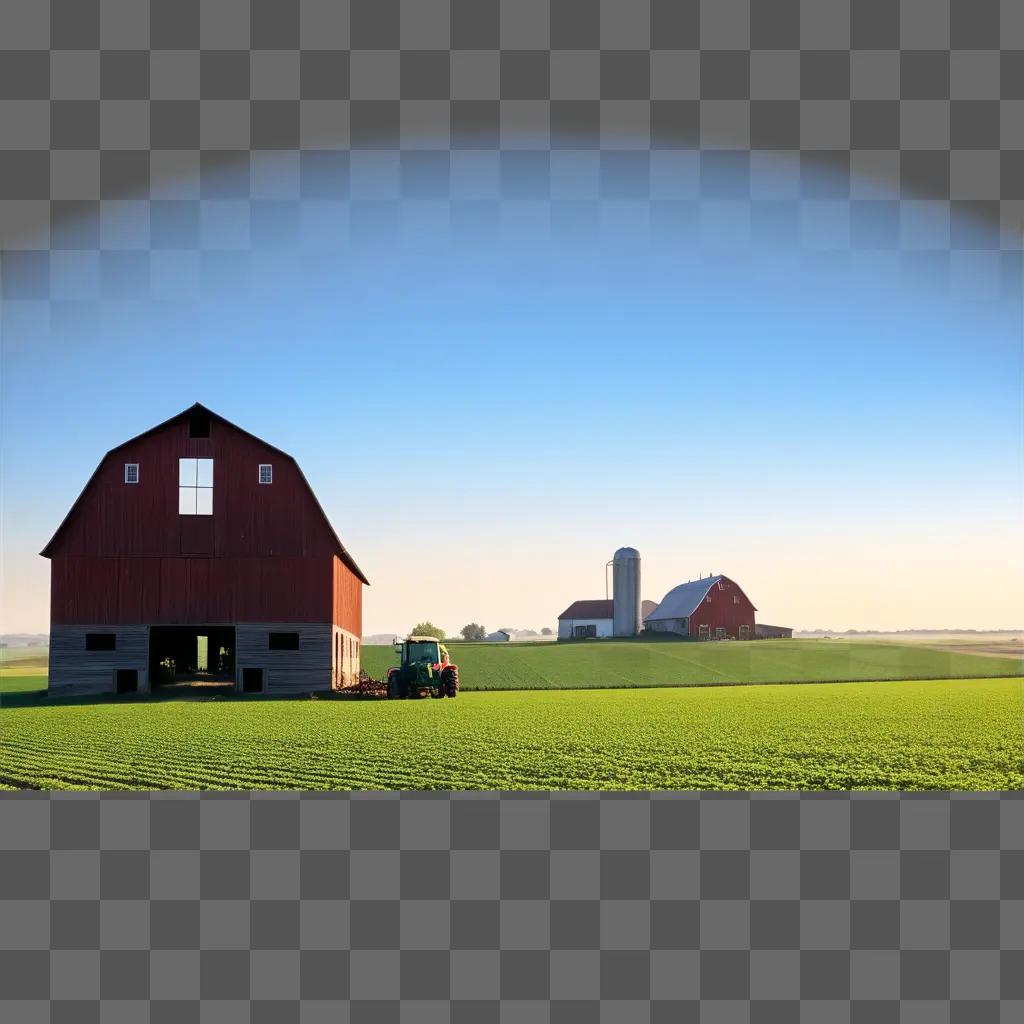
x: 126, y: 680
x: 252, y: 680
x: 186, y: 658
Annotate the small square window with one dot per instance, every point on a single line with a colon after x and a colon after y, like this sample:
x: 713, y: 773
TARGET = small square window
x: 266, y: 473
x: 126, y: 680
x: 283, y: 641
x: 101, y: 641
x: 131, y: 472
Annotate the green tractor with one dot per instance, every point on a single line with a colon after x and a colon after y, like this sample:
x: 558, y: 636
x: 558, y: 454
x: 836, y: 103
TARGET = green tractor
x: 425, y: 669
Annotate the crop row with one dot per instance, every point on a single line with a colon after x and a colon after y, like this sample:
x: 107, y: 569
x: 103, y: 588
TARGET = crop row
x: 962, y: 734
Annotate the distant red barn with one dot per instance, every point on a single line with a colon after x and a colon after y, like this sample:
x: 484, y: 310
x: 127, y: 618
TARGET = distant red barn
x: 708, y: 609
x: 198, y: 552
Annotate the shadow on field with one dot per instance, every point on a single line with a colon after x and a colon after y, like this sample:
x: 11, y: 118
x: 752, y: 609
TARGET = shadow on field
x: 39, y: 699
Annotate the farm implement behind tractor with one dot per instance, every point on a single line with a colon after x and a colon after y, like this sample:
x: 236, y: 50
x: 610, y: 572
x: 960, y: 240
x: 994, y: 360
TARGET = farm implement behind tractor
x: 424, y: 670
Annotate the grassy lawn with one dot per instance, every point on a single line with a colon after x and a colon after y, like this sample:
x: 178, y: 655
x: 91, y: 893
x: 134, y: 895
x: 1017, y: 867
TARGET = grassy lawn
x: 933, y: 734
x: 610, y: 663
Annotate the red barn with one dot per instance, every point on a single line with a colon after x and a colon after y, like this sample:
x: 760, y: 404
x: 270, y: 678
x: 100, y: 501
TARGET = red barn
x: 713, y: 608
x: 197, y: 552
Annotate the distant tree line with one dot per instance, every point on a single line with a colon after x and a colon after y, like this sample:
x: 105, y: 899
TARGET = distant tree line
x: 472, y: 631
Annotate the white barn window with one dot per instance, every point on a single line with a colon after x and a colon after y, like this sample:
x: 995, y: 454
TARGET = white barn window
x: 195, y: 487
x: 266, y: 473
x: 131, y: 472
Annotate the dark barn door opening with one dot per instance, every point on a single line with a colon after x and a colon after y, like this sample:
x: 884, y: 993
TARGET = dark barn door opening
x: 183, y: 657
x: 252, y: 680
x: 126, y: 680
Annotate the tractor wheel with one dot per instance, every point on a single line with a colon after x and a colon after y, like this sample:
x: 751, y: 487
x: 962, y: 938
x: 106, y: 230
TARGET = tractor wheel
x: 438, y: 691
x: 394, y: 687
x: 450, y: 681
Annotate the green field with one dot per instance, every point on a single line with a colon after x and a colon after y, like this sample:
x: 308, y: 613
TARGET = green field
x: 23, y: 677
x: 611, y: 663
x: 35, y: 683
x: 940, y: 734
x: 608, y: 663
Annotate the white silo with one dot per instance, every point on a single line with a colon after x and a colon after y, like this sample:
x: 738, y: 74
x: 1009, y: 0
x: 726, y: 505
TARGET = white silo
x: 626, y: 592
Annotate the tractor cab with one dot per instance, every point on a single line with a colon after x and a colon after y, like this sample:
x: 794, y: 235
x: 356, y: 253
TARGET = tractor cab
x: 425, y: 668
x: 422, y: 650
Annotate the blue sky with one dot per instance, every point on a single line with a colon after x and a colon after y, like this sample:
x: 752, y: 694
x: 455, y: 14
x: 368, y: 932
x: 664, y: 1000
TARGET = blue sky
x: 486, y: 423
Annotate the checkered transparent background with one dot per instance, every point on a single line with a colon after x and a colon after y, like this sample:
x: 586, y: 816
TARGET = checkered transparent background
x: 231, y: 124
x: 137, y: 140
x: 474, y: 908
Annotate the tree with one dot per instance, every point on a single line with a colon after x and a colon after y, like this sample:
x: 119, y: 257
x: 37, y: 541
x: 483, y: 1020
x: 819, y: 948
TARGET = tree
x: 427, y: 629
x: 473, y: 631
x: 545, y: 631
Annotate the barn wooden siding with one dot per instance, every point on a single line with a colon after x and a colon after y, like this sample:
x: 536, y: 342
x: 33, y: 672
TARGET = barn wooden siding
x: 309, y: 668
x: 267, y: 554
x: 75, y: 671
x: 191, y: 591
x: 328, y: 657
x: 347, y: 598
x: 719, y: 609
x: 278, y: 519
x: 249, y: 519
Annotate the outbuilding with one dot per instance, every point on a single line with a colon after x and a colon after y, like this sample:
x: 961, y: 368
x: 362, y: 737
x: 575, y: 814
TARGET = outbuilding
x: 710, y: 608
x: 762, y: 631
x: 199, y: 553
x: 591, y: 619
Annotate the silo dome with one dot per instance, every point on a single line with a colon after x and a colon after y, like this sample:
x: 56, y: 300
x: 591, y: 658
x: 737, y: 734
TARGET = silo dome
x: 626, y: 618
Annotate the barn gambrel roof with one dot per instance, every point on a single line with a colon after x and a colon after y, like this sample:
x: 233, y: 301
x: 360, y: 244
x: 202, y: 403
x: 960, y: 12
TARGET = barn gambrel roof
x: 198, y: 407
